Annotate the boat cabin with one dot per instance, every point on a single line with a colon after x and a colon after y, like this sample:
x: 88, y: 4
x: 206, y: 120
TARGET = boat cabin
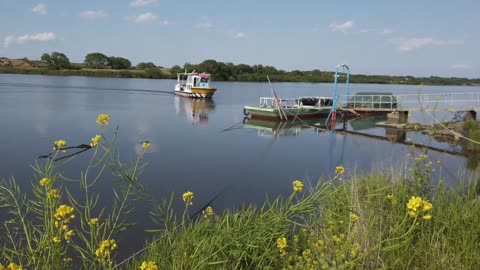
x: 188, y: 80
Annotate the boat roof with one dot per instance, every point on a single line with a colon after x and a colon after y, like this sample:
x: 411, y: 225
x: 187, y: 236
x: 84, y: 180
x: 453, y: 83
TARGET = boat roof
x: 374, y: 94
x: 201, y: 75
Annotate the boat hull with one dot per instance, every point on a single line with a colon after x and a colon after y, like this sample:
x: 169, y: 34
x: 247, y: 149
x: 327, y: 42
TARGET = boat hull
x: 197, y: 92
x: 304, y: 112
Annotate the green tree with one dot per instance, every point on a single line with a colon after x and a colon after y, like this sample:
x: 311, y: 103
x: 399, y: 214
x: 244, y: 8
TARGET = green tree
x: 56, y: 60
x: 119, y: 62
x: 96, y: 60
x: 174, y: 70
x: 146, y: 65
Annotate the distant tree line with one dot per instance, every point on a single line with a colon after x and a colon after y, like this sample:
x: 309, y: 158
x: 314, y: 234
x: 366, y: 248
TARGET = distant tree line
x: 242, y: 72
x: 99, y: 64
x: 96, y: 60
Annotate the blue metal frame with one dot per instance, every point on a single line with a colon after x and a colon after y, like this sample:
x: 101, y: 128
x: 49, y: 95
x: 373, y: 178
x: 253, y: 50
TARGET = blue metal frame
x: 335, y: 96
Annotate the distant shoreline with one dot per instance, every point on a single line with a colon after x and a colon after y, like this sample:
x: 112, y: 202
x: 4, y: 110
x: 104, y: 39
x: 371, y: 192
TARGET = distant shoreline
x: 325, y: 77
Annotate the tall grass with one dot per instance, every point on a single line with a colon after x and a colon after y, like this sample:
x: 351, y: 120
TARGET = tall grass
x: 370, y: 221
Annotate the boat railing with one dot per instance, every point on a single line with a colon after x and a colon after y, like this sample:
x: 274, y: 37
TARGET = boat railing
x: 371, y: 101
x: 269, y: 102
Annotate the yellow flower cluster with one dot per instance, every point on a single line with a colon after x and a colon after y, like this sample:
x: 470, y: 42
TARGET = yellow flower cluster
x: 93, y: 222
x: 339, y: 170
x: 188, y: 197
x: 64, y: 214
x: 53, y: 194
x: 67, y: 260
x: 282, y: 245
x: 44, y: 181
x: 95, y: 140
x: 11, y: 266
x: 208, y: 212
x: 392, y: 199
x: 103, y: 252
x: 150, y: 265
x: 56, y: 240
x: 59, y: 144
x: 354, y: 217
x: 297, y: 186
x: 68, y: 234
x: 102, y: 119
x: 146, y: 145
x: 416, y: 205
x: 421, y: 157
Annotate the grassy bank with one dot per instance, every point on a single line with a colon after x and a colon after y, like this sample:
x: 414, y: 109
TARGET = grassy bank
x: 369, y: 221
x: 365, y: 223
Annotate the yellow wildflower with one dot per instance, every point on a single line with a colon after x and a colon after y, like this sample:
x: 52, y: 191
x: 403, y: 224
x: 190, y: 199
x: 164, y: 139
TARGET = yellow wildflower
x: 11, y: 266
x: 59, y: 144
x: 44, y: 181
x: 56, y: 240
x: 95, y: 140
x: 354, y: 217
x: 93, y: 222
x: 208, y: 212
x: 427, y: 205
x: 188, y: 197
x: 69, y: 234
x: 148, y: 266
x: 146, y: 145
x: 416, y: 204
x: 392, y: 199
x: 67, y: 260
x: 297, y: 186
x: 63, y: 215
x: 282, y: 243
x: 102, y: 119
x: 103, y: 251
x: 339, y: 170
x: 53, y: 194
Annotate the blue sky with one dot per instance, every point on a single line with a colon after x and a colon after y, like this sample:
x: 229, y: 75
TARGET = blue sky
x: 419, y: 38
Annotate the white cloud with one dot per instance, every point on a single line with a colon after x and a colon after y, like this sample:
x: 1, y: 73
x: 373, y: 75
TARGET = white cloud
x: 343, y: 27
x: 8, y: 40
x: 165, y: 22
x: 239, y: 35
x: 204, y: 24
x: 386, y: 31
x: 93, y: 14
x: 40, y: 9
x: 144, y: 18
x: 366, y: 30
x: 410, y: 44
x: 142, y: 3
x: 460, y: 66
x: 41, y: 37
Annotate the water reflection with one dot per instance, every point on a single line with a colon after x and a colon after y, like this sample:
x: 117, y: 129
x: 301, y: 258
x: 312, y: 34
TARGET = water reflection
x: 275, y: 129
x: 194, y: 110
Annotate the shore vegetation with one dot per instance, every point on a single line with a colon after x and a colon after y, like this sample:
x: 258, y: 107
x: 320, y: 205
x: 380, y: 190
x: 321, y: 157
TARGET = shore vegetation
x: 100, y: 65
